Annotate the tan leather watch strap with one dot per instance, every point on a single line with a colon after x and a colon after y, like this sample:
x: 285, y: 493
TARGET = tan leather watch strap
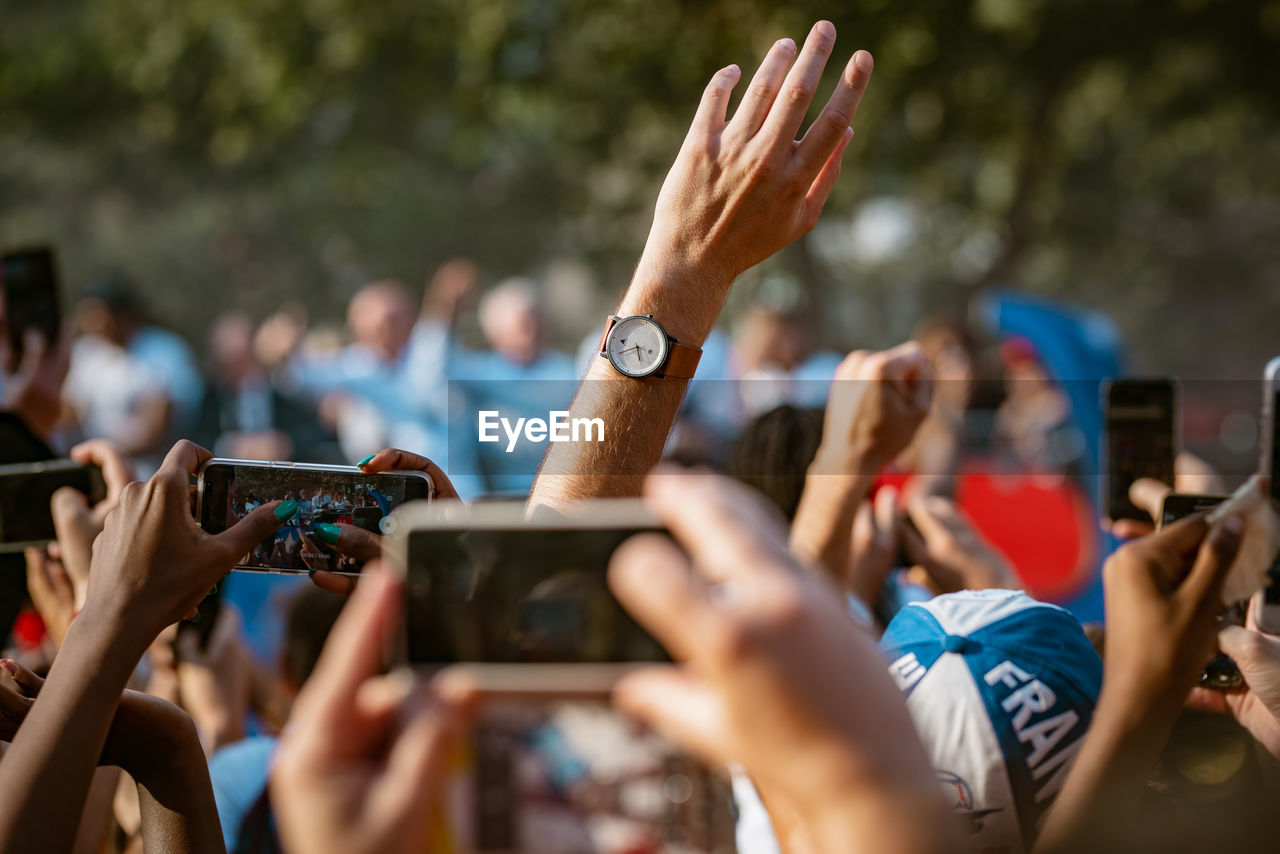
x: 604, y: 336
x: 682, y: 361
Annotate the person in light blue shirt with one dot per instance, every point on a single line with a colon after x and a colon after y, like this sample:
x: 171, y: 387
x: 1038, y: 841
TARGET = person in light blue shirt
x: 518, y: 377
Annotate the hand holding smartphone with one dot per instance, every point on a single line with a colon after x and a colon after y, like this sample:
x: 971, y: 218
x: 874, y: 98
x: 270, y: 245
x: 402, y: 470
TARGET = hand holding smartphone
x: 522, y: 607
x: 25, y: 492
x: 334, y: 517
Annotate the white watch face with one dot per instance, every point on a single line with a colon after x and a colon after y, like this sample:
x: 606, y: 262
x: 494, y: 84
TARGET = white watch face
x: 637, y: 346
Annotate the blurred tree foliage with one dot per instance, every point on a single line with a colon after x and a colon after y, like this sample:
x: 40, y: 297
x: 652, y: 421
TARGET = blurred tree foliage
x: 1122, y: 152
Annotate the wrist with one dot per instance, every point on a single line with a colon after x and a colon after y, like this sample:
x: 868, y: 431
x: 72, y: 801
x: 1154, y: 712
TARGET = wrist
x: 684, y: 296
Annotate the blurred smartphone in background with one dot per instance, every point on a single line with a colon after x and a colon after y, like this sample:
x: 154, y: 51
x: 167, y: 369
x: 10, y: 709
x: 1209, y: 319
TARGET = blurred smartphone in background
x: 1265, y: 604
x: 330, y: 501
x: 29, y: 280
x: 522, y: 606
x: 25, y: 491
x: 1141, y: 440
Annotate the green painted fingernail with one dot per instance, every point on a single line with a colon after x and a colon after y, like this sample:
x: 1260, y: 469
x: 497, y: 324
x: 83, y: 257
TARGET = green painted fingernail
x: 286, y: 509
x: 197, y: 618
x: 311, y: 573
x: 328, y: 532
x: 366, y: 461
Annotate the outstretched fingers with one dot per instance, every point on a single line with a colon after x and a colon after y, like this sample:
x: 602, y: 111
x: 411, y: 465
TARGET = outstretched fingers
x: 831, y: 127
x: 713, y: 108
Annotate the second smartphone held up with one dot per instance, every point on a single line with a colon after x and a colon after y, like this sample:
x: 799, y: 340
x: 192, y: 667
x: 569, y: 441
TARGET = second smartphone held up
x: 339, y: 513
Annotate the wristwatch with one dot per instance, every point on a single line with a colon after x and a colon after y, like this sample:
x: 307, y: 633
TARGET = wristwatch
x: 637, y: 346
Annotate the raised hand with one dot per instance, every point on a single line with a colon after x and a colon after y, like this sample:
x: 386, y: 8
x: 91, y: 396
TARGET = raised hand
x: 947, y: 551
x: 360, y: 767
x: 775, y: 675
x: 742, y: 189
x: 153, y: 564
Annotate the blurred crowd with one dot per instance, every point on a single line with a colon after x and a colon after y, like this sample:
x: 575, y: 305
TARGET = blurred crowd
x: 895, y: 615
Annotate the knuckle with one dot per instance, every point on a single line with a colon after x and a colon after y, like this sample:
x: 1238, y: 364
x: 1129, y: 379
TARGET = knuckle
x: 762, y: 90
x: 800, y: 92
x: 835, y: 120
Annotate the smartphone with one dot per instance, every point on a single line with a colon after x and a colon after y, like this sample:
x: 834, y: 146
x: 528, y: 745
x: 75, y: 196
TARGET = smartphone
x: 487, y: 587
x: 25, y: 491
x: 1222, y: 673
x: 1265, y: 604
x: 1178, y: 505
x: 29, y: 280
x: 328, y: 500
x: 1141, y: 440
x: 522, y: 606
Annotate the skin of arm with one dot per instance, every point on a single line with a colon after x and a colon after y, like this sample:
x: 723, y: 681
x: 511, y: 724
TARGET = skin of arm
x: 738, y: 192
x: 156, y: 743
x: 151, y: 565
x: 1162, y: 597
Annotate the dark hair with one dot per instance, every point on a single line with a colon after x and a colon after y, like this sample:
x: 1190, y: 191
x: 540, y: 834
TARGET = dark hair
x: 774, y: 451
x: 311, y: 615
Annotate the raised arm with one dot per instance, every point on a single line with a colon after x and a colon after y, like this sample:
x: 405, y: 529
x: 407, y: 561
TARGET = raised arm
x: 1162, y: 597
x: 737, y: 193
x: 151, y: 565
x: 876, y: 403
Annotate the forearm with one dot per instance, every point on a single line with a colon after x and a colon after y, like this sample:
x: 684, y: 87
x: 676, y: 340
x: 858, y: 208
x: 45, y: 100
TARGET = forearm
x: 157, y: 744
x: 46, y: 774
x: 178, y: 810
x: 823, y: 526
x: 637, y: 414
x: 1102, y: 790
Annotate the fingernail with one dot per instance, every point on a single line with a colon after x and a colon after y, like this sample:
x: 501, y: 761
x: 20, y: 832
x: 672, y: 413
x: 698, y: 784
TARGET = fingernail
x: 197, y: 618
x: 1233, y: 524
x: 328, y: 532
x: 9, y: 667
x: 311, y: 573
x: 214, y: 589
x: 365, y: 461
x: 864, y: 61
x: 285, y: 509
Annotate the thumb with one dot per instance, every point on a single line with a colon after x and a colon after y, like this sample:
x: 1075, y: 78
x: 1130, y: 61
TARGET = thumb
x: 1246, y: 647
x: 243, y: 536
x: 1214, y: 560
x: 73, y: 525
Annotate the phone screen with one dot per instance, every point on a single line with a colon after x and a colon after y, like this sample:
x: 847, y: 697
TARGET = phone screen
x: 25, y: 491
x: 518, y: 596
x: 30, y: 283
x: 324, y: 498
x: 1140, y: 441
x: 1179, y: 505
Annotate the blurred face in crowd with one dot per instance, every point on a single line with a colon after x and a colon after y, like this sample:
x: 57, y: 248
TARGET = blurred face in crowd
x: 231, y: 348
x: 381, y: 317
x: 511, y: 319
x: 767, y: 338
x: 96, y: 317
